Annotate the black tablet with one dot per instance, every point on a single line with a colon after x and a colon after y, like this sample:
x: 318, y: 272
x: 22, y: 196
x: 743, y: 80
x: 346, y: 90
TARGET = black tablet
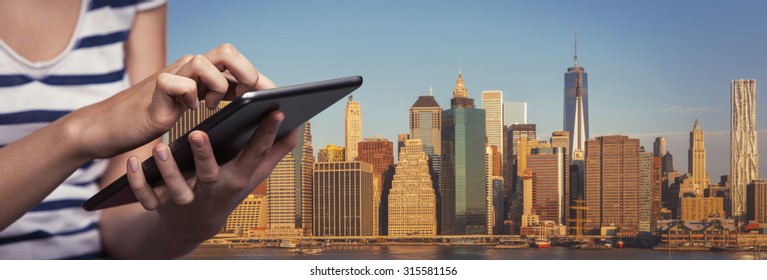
x: 231, y: 128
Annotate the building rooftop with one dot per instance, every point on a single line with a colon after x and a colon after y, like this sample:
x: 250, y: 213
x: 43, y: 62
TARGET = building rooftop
x: 426, y: 101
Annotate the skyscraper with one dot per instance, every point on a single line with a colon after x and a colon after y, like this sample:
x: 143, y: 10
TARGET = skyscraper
x: 696, y: 160
x: 576, y: 106
x: 353, y: 128
x: 343, y: 199
x: 659, y: 146
x: 656, y: 192
x: 756, y: 201
x: 192, y: 118
x: 492, y: 103
x: 744, y: 159
x: 512, y: 188
x: 426, y: 123
x: 412, y: 201
x: 550, y: 183
x: 645, y: 190
x: 612, y: 182
x: 463, y: 184
x: 306, y: 174
x: 514, y: 113
x: 380, y: 153
x: 289, y: 190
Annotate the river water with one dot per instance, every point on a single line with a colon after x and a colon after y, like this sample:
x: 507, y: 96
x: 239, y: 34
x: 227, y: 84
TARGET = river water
x: 433, y: 252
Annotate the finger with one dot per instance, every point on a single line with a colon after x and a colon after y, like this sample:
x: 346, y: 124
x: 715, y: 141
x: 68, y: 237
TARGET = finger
x: 213, y: 83
x: 179, y: 190
x: 279, y: 149
x: 173, y: 68
x: 207, y: 169
x: 260, y: 144
x: 176, y: 86
x: 140, y: 187
x: 226, y: 57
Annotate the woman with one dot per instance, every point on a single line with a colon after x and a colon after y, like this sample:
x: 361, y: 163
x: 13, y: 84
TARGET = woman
x: 63, y: 55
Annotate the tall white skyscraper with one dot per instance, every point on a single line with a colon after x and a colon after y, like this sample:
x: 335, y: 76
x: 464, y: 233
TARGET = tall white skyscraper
x: 744, y: 158
x: 514, y: 113
x: 289, y: 190
x: 353, y: 128
x: 492, y: 102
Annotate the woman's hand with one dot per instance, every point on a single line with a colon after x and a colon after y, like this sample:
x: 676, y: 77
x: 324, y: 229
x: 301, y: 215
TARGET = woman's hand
x: 133, y: 117
x: 193, y: 210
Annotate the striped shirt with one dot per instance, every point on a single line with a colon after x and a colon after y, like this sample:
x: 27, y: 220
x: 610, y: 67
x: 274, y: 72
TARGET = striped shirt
x: 90, y: 69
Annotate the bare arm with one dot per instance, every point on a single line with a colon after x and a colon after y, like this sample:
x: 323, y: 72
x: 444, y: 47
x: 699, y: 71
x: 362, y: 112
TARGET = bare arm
x: 191, y: 211
x: 145, y: 55
x: 31, y: 168
x: 35, y: 165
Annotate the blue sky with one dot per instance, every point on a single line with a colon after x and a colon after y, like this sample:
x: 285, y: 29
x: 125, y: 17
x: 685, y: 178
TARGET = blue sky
x: 654, y: 66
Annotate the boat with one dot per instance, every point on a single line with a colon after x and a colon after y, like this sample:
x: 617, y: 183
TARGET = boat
x: 733, y: 248
x: 513, y: 244
x: 542, y: 243
x: 309, y: 251
x: 592, y: 246
x: 287, y: 244
x: 245, y: 245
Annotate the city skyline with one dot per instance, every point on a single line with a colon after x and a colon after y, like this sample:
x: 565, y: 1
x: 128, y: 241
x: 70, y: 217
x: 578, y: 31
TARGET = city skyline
x: 677, y: 69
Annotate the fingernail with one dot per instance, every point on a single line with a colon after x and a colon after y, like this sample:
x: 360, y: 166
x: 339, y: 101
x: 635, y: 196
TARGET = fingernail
x: 162, y: 153
x: 196, y: 104
x: 278, y: 121
x: 198, y: 141
x: 133, y: 164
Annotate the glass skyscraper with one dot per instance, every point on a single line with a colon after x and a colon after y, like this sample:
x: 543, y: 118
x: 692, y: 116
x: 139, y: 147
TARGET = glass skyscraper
x: 576, y: 85
x: 464, y: 205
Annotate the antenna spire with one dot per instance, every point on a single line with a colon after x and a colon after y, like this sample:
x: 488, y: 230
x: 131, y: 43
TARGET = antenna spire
x: 575, y: 41
x: 430, y: 92
x: 460, y: 64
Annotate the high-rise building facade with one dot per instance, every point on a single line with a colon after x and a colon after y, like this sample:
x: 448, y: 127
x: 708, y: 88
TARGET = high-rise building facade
x: 657, y: 192
x: 463, y: 183
x: 249, y: 214
x: 426, y: 123
x: 412, y: 200
x: 353, y: 128
x: 559, y: 139
x: 744, y: 158
x: 343, y: 199
x: 512, y: 184
x: 645, y: 190
x: 659, y: 146
x: 331, y: 153
x: 550, y: 183
x: 380, y: 153
x: 306, y: 174
x: 191, y: 118
x: 492, y: 103
x: 756, y: 201
x: 514, y: 113
x: 289, y: 190
x: 612, y: 182
x: 576, y: 106
x: 701, y: 208
x: 696, y: 160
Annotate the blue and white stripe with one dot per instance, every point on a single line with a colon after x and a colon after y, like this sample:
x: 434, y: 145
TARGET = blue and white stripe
x: 35, y: 94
